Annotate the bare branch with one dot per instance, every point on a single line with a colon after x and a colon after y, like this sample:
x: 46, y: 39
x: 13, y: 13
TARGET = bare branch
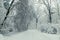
x: 8, y: 11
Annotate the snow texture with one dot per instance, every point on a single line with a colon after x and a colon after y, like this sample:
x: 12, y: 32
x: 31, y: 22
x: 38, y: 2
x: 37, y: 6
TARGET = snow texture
x: 30, y: 19
x: 31, y: 35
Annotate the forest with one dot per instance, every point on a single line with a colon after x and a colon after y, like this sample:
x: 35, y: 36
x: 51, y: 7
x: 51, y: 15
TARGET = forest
x: 21, y: 15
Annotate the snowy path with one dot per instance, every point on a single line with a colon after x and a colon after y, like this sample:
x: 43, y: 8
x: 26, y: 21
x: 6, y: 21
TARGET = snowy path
x: 31, y: 35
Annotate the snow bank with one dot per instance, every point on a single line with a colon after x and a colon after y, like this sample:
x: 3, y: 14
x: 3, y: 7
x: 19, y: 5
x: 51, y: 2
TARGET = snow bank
x: 30, y: 35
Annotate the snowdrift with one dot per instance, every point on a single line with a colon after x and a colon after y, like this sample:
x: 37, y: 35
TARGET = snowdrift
x: 31, y: 35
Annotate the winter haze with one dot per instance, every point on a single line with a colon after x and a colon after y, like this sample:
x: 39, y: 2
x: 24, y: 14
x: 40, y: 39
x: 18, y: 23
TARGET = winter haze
x: 29, y: 19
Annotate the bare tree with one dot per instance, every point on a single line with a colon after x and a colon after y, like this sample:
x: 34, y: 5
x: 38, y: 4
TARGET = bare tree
x: 8, y: 11
x: 48, y: 6
x: 58, y: 8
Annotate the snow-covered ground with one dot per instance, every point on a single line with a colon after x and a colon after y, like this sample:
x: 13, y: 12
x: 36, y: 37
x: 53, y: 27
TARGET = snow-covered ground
x: 31, y: 35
